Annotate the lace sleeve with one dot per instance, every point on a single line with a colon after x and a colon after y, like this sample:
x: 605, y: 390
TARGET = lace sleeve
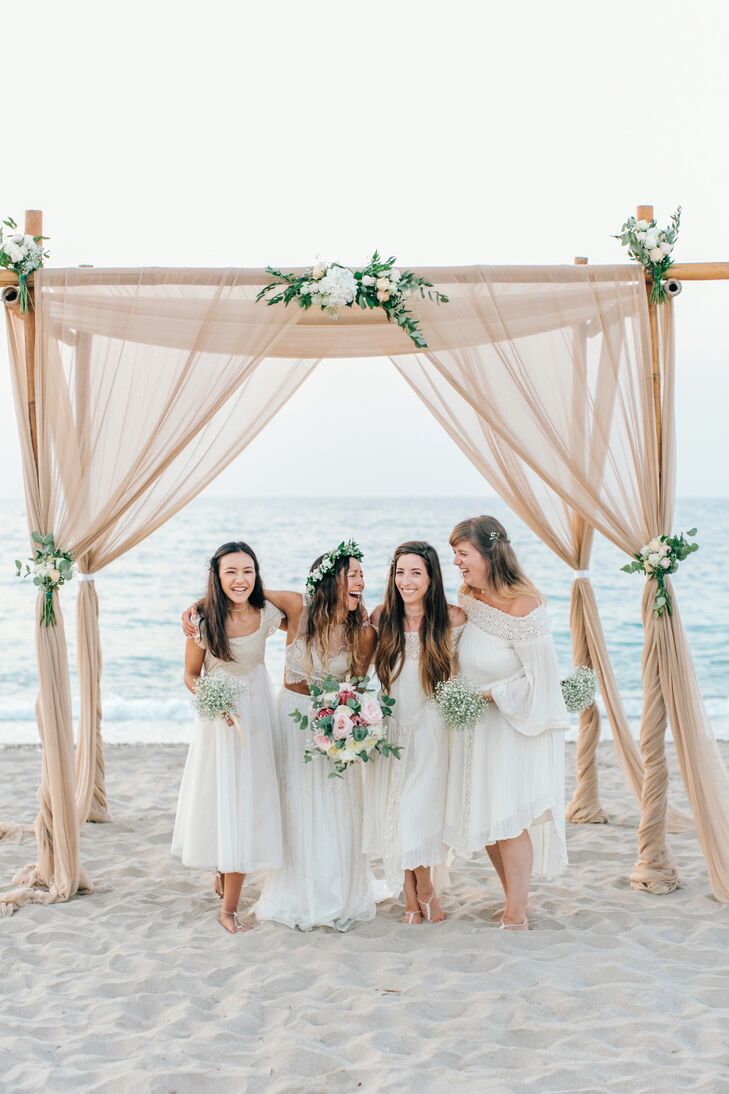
x: 532, y: 701
x: 272, y: 617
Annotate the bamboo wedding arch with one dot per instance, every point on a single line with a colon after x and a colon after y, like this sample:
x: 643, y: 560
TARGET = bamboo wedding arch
x: 134, y: 388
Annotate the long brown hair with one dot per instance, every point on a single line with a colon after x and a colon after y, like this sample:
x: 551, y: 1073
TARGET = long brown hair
x: 488, y: 536
x: 214, y: 607
x: 323, y: 611
x: 435, y: 629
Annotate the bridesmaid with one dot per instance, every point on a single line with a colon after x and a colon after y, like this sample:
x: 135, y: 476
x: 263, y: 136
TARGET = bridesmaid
x: 405, y: 799
x: 506, y: 776
x: 325, y: 880
x: 228, y: 813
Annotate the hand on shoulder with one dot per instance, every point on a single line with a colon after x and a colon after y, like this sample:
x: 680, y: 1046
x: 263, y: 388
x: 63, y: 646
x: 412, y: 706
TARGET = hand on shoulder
x: 456, y: 616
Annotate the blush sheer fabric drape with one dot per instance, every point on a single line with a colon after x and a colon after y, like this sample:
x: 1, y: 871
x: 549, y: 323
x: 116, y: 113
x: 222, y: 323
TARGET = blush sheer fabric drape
x: 149, y: 382
x: 129, y: 432
x: 587, y: 430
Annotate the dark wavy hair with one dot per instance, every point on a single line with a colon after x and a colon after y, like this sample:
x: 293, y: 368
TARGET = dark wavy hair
x: 323, y: 611
x: 435, y: 629
x: 215, y: 607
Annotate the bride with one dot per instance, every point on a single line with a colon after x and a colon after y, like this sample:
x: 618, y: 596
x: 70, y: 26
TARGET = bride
x: 325, y: 879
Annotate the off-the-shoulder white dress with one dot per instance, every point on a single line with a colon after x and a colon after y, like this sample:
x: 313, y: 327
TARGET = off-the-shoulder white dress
x: 507, y: 772
x: 228, y: 812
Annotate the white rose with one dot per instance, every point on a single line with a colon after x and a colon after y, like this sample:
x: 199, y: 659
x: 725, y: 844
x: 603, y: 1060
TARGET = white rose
x: 655, y: 559
x: 368, y: 280
x: 383, y: 283
x: 666, y: 248
x: 645, y: 551
x: 643, y: 225
x: 383, y: 295
x: 655, y: 254
x: 318, y: 271
x: 651, y: 238
x: 665, y: 563
x: 663, y: 550
x: 640, y: 236
x: 394, y: 276
x: 654, y: 545
x: 53, y: 573
x: 13, y: 252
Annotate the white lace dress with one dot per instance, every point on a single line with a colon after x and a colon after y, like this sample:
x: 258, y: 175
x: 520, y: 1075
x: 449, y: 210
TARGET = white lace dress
x: 228, y: 812
x: 325, y: 880
x: 405, y: 799
x: 507, y: 772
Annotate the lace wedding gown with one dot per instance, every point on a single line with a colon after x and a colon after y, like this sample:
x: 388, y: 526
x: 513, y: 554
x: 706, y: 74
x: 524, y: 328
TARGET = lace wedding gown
x: 507, y: 772
x: 325, y: 880
x: 228, y: 812
x: 405, y: 799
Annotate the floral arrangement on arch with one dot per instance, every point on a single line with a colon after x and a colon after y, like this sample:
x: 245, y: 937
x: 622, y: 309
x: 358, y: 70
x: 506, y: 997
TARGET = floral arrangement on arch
x: 347, y: 723
x: 331, y: 286
x: 658, y: 559
x: 22, y: 254
x: 652, y: 247
x: 50, y: 568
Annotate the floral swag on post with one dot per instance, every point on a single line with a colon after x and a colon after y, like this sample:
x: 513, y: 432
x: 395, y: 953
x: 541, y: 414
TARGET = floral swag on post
x: 652, y: 247
x: 50, y: 568
x: 659, y: 558
x: 332, y: 286
x: 22, y: 254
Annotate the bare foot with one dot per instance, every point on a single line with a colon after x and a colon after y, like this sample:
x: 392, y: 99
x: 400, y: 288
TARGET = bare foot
x: 431, y: 909
x: 218, y: 884
x: 412, y: 918
x: 232, y: 923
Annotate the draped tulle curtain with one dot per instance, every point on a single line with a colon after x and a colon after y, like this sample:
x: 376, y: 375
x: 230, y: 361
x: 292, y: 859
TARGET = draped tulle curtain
x: 519, y: 378
x: 135, y: 417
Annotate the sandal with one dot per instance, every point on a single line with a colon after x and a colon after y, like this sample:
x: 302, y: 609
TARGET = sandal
x: 240, y: 927
x: 409, y: 921
x: 514, y: 926
x: 425, y: 904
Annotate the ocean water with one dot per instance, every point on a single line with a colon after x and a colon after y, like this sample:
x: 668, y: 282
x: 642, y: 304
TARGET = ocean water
x: 142, y: 595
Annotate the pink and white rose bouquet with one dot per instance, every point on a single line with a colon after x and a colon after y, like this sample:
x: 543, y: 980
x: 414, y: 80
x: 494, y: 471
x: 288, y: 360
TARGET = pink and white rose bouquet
x: 347, y: 722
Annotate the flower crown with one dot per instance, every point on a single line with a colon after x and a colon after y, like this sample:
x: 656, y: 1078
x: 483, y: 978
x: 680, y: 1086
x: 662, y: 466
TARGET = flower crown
x: 350, y: 549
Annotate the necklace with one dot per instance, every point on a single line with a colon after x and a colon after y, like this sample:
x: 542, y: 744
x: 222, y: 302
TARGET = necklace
x: 238, y: 611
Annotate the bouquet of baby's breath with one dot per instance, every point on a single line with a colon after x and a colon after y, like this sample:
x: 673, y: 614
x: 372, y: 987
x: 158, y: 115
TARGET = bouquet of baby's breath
x: 579, y: 689
x: 217, y: 696
x: 461, y: 703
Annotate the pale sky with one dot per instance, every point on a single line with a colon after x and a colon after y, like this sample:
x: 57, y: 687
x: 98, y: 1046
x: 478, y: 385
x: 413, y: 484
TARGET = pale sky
x: 244, y: 134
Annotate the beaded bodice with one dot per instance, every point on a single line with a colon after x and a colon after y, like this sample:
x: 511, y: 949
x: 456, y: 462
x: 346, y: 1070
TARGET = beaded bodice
x: 304, y: 664
x: 500, y: 624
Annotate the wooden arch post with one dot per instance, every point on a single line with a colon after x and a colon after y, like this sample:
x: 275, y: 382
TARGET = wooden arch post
x: 33, y: 227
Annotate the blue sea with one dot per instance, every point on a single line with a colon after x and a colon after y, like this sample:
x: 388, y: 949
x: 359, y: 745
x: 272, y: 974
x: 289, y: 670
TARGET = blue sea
x: 143, y: 593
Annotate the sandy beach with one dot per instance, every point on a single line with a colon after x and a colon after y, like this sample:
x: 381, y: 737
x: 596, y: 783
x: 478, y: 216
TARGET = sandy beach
x: 138, y: 988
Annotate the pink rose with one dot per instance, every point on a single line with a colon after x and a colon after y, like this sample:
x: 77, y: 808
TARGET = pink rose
x: 345, y: 695
x: 322, y: 742
x: 371, y: 711
x: 325, y: 712
x: 341, y: 726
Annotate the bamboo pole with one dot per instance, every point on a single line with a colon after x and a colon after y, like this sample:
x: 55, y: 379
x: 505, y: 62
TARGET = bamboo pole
x: 33, y: 227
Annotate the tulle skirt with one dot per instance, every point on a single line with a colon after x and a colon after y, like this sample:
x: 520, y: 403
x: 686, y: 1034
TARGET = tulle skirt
x: 228, y: 811
x: 501, y: 782
x: 325, y: 880
x: 405, y: 798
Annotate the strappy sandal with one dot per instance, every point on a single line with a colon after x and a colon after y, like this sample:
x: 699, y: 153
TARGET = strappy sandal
x: 426, y: 905
x: 514, y: 926
x: 240, y: 927
x: 219, y: 884
x: 410, y: 922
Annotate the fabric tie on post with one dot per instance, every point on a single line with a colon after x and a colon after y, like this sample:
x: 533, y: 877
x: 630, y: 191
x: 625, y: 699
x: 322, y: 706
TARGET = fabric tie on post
x: 577, y: 574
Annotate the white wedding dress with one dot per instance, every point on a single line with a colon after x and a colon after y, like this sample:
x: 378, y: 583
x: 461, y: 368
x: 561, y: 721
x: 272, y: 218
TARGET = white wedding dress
x: 325, y: 880
x: 405, y: 799
x: 507, y: 772
x: 228, y: 811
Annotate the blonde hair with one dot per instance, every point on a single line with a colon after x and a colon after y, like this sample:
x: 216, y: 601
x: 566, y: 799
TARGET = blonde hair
x: 488, y: 536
